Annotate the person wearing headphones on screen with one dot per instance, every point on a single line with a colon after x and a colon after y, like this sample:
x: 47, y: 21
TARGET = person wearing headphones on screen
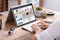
x: 51, y: 33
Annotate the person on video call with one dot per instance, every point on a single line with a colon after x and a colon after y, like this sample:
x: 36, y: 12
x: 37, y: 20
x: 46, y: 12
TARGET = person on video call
x: 49, y: 34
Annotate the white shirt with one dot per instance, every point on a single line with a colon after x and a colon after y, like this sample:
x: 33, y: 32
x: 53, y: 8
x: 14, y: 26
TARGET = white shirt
x: 51, y: 32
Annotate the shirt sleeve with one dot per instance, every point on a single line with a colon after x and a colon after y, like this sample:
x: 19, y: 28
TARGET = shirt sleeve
x: 43, y: 36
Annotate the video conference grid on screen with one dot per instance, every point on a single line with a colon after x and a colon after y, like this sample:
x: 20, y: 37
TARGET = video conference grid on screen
x: 24, y: 15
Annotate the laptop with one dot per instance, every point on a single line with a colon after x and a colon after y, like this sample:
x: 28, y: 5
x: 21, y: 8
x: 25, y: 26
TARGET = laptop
x: 24, y: 16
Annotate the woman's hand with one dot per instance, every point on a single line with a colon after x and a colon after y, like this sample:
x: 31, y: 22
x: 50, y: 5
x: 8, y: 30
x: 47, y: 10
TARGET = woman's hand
x: 36, y: 28
x: 43, y: 24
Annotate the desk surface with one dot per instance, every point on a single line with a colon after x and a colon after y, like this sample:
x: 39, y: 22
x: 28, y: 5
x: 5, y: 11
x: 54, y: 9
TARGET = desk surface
x: 18, y: 31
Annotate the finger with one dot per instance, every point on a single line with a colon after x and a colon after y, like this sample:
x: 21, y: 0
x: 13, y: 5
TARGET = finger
x: 35, y: 27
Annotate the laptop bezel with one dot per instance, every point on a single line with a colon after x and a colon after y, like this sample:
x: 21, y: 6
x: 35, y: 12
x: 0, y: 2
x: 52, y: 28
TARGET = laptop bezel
x: 21, y: 7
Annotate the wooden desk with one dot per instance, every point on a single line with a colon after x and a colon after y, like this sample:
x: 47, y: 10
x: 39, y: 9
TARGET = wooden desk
x: 18, y: 31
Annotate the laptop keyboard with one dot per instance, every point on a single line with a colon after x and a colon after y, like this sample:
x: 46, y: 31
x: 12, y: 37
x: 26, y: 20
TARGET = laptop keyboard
x: 28, y: 26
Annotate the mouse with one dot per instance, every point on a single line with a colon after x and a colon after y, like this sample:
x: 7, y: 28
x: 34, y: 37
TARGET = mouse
x: 48, y: 20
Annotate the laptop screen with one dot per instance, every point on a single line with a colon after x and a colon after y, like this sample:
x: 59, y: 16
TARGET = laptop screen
x: 23, y: 14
